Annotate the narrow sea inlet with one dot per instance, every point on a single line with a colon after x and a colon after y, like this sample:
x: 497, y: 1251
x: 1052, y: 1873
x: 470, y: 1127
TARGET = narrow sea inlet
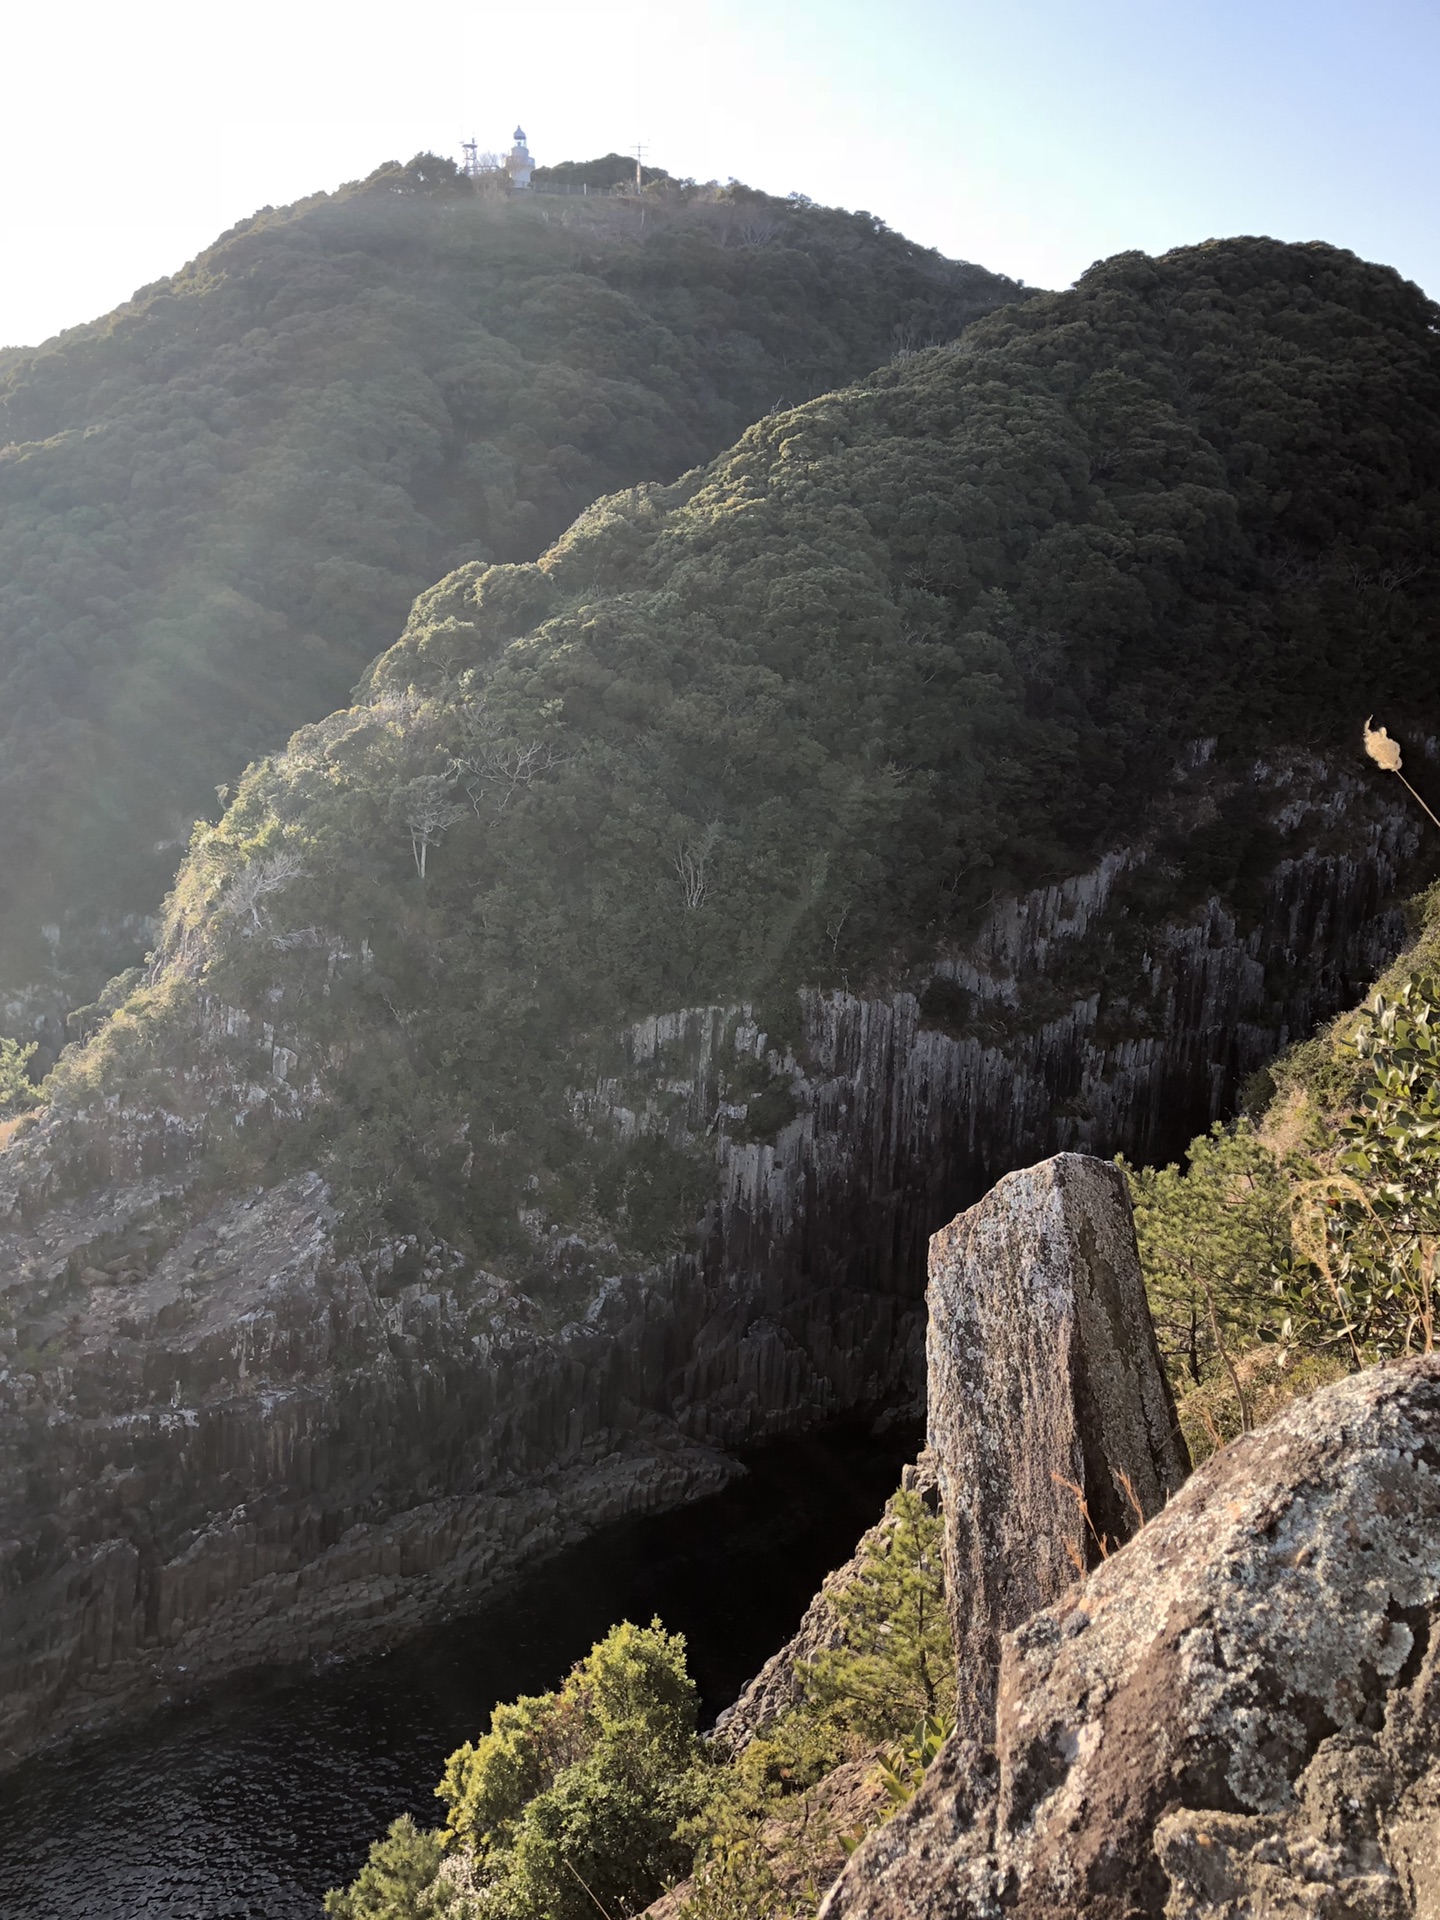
x: 248, y: 1803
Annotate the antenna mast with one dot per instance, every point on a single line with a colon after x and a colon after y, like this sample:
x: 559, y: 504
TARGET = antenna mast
x: 641, y: 149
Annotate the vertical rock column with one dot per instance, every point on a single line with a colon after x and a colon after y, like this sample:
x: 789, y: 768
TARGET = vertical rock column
x: 1046, y: 1391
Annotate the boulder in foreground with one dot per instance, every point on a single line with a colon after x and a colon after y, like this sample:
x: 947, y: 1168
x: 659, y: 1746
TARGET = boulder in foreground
x: 1237, y: 1714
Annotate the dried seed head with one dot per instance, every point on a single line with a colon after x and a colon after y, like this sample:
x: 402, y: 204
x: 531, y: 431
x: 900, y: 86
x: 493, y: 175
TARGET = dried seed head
x: 1384, y: 751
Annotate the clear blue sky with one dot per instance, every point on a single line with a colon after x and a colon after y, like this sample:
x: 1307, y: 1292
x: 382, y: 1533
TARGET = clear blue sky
x: 1032, y: 135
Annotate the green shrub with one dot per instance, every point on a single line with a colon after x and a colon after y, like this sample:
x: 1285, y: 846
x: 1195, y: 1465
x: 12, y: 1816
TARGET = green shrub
x: 1215, y: 1248
x: 600, y: 1794
x: 17, y: 1090
x: 1370, y: 1220
x: 1270, y: 1272
x: 894, y: 1667
x: 766, y: 1844
x: 572, y: 1799
x: 398, y: 1881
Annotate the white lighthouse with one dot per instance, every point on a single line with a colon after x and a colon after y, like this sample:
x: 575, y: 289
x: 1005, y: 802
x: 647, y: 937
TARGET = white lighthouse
x: 518, y: 163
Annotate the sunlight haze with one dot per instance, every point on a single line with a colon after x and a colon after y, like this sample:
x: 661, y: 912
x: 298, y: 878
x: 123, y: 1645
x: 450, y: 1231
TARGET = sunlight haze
x: 1032, y: 137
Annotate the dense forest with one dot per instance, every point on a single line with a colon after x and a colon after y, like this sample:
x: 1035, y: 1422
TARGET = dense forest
x: 217, y: 503
x: 799, y: 717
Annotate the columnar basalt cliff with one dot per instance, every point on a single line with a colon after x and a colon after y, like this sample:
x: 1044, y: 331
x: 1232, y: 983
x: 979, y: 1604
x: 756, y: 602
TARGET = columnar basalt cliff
x: 1077, y: 1020
x: 228, y: 1441
x: 255, y: 1451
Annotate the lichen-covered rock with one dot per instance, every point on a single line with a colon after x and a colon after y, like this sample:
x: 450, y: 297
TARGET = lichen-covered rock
x: 1237, y: 1714
x: 1050, y: 1418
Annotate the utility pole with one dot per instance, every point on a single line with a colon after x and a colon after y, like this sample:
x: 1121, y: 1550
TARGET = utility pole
x: 640, y: 151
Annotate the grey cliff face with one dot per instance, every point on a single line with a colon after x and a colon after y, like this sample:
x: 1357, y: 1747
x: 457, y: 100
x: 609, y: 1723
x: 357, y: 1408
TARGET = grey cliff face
x: 1237, y: 1714
x: 1050, y: 1417
x: 259, y: 1450
x: 222, y: 1440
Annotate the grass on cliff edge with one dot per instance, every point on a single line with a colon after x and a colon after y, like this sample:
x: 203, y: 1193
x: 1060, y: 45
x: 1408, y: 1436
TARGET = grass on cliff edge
x: 1301, y: 1242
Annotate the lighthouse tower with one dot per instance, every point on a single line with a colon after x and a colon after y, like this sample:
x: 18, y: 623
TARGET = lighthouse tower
x: 518, y: 163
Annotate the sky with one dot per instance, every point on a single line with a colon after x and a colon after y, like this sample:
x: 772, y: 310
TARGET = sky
x: 1032, y: 136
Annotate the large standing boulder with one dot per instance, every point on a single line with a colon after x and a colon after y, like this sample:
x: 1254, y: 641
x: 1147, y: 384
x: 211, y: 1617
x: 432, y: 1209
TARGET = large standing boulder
x: 1050, y: 1418
x: 1237, y: 1714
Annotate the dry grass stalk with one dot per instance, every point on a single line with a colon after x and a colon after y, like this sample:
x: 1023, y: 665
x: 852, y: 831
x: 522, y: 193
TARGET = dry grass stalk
x: 586, y: 1885
x: 1127, y: 1487
x: 1212, y: 1428
x: 1246, y: 1423
x: 1385, y: 752
x: 1310, y: 1222
x: 1072, y: 1547
x: 1311, y: 1203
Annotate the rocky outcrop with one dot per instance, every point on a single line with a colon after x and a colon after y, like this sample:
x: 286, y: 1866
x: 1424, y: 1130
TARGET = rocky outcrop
x: 1052, y: 1430
x: 1047, y: 1399
x: 1237, y: 1714
x: 1050, y: 1418
x: 226, y: 1438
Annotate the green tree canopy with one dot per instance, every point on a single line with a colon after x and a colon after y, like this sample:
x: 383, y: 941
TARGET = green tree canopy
x: 599, y: 1795
x: 568, y: 1803
x: 217, y: 502
x: 17, y: 1092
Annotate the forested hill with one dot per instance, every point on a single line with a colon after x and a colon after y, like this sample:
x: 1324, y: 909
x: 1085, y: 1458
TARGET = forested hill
x: 800, y: 717
x: 217, y: 503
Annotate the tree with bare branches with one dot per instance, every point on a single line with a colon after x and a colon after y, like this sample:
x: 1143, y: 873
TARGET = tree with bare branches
x: 255, y: 881
x: 428, y: 807
x: 494, y: 768
x: 690, y: 860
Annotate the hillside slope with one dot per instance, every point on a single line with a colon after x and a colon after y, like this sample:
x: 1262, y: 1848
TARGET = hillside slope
x: 217, y: 503
x: 555, y: 1063
x: 799, y: 719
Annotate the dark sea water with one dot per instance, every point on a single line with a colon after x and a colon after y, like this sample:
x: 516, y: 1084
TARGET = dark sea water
x: 248, y: 1803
